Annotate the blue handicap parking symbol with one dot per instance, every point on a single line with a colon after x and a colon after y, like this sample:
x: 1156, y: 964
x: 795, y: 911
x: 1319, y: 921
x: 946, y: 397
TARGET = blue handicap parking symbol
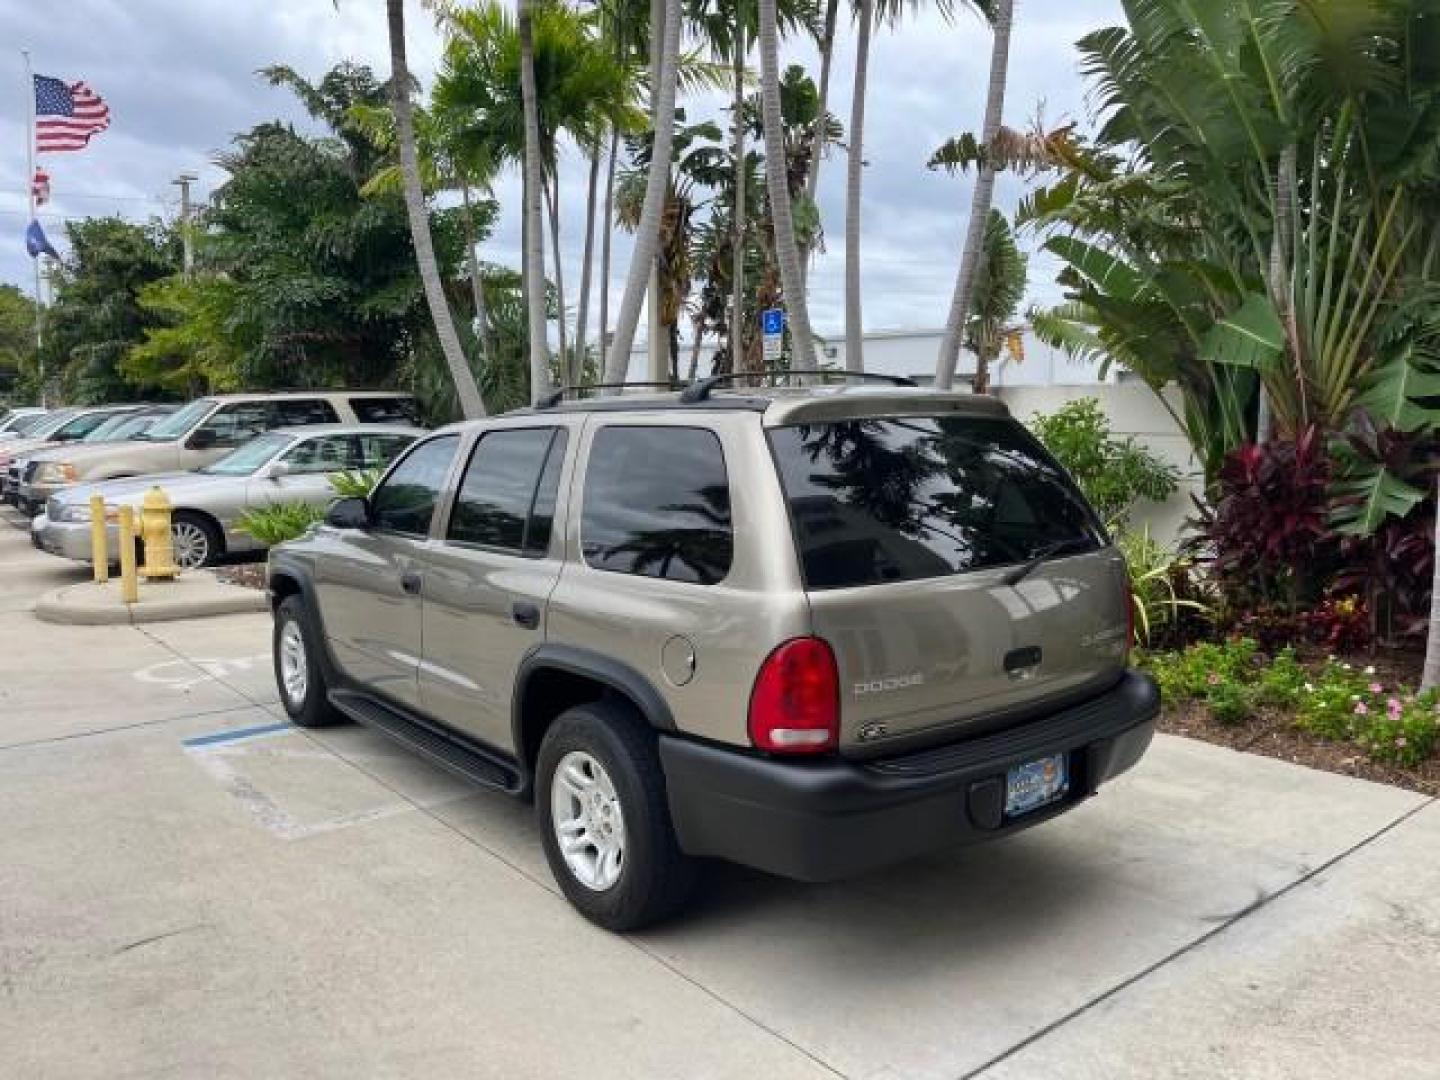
x: 772, y: 321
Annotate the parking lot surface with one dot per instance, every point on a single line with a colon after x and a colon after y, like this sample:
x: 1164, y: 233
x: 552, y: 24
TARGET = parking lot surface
x: 191, y: 887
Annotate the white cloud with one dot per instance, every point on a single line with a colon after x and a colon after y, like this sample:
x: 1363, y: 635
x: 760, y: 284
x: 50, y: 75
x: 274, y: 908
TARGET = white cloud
x: 180, y: 81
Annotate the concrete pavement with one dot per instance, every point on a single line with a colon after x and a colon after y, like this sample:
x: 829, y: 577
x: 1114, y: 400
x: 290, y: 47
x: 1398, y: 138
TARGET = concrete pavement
x: 188, y: 886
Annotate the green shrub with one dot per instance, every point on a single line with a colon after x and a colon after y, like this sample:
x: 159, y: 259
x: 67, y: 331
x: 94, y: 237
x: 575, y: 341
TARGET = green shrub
x: 1169, y: 597
x: 278, y: 522
x: 1113, y: 473
x: 1231, y: 703
x: 355, y: 483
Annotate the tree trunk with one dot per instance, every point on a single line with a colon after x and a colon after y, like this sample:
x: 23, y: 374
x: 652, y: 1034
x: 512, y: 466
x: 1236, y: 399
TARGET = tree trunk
x: 737, y: 226
x: 695, y: 352
x: 467, y: 391
x: 855, y: 169
x: 477, y: 285
x: 979, y: 204
x: 577, y: 365
x: 534, y: 255
x: 817, y: 137
x: 647, y: 232
x: 606, y: 230
x: 787, y: 250
x: 1431, y: 676
x: 552, y: 207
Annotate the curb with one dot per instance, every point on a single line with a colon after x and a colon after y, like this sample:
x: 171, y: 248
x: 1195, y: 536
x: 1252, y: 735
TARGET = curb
x: 86, y: 604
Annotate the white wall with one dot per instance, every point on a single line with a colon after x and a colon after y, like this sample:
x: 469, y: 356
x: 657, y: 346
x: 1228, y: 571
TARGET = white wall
x: 1133, y: 410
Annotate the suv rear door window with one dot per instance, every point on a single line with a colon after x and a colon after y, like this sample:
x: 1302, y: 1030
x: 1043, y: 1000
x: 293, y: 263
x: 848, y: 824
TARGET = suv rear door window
x: 405, y: 502
x: 876, y: 501
x: 300, y: 412
x: 507, y: 498
x: 385, y: 410
x: 657, y: 504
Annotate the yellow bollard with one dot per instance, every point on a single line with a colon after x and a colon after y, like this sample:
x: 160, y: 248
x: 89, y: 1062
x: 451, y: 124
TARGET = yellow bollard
x: 99, y: 547
x: 129, y: 584
x: 155, y: 528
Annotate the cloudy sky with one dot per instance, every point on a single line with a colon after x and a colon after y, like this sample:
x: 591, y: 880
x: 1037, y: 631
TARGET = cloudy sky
x: 179, y: 77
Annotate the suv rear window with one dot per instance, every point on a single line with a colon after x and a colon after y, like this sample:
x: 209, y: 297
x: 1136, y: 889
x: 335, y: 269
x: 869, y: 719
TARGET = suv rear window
x: 904, y: 499
x: 657, y: 504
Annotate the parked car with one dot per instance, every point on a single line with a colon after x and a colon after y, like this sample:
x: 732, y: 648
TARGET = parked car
x: 61, y: 427
x: 15, y: 422
x: 811, y: 630
x: 44, y: 472
x: 283, y: 466
x: 208, y: 428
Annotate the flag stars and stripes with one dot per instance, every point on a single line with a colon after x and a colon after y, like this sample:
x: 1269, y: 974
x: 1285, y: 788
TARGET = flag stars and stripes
x: 66, y: 116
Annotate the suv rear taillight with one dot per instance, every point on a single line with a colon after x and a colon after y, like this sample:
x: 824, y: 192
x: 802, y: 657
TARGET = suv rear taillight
x: 795, y: 705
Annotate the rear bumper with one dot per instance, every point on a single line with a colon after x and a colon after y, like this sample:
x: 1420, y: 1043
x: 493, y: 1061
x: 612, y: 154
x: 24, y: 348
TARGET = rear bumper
x: 823, y: 820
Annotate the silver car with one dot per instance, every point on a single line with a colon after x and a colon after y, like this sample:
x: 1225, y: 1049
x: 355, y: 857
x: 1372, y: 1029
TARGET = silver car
x: 284, y: 466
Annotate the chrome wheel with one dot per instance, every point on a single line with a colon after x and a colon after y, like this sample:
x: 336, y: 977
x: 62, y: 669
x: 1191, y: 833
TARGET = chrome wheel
x: 190, y: 544
x: 589, y: 825
x: 294, y: 668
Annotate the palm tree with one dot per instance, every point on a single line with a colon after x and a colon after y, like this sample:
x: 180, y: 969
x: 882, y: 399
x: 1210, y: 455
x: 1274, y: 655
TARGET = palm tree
x: 647, y: 233
x: 787, y: 248
x: 534, y: 254
x: 960, y: 302
x: 854, y: 324
x: 999, y: 289
x: 467, y: 392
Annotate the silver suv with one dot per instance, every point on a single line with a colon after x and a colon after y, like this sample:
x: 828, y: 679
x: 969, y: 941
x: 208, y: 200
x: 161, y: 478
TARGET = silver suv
x: 811, y: 630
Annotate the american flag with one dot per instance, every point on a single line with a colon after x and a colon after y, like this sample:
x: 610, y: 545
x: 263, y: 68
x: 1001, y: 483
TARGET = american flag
x: 66, y: 116
x: 40, y: 186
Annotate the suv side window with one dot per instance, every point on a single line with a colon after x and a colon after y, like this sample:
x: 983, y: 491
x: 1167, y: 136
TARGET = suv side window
x: 507, y: 497
x: 377, y: 451
x: 299, y: 412
x: 232, y: 425
x: 657, y: 504
x: 405, y: 502
x: 386, y: 410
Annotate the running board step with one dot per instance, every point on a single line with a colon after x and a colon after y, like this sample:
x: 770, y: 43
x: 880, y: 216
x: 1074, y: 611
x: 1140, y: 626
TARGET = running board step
x: 448, y: 749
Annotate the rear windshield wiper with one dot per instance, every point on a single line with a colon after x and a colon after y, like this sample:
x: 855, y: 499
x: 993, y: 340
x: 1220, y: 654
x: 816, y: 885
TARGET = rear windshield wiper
x: 1049, y: 551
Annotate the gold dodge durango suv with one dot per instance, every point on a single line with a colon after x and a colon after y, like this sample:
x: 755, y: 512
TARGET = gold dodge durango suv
x: 813, y: 629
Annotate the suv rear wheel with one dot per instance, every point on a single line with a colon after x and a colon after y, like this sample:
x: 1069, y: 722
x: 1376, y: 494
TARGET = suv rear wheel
x: 604, y: 819
x: 298, y: 674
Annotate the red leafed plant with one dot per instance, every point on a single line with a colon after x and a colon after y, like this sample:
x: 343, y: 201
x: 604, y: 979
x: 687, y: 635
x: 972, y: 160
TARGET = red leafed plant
x: 1269, y: 529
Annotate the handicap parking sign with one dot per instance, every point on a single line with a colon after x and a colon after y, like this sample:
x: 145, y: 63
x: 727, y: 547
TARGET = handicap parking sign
x: 772, y: 322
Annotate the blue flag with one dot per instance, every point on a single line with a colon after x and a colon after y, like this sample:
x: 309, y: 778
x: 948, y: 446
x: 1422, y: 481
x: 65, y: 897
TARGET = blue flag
x: 37, y: 243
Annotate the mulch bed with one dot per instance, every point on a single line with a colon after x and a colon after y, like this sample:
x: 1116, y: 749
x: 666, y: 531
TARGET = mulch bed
x: 1273, y: 734
x: 250, y: 575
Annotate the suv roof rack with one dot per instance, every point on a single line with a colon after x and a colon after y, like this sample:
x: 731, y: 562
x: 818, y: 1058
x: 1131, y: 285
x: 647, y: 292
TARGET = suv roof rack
x: 549, y: 401
x: 700, y: 391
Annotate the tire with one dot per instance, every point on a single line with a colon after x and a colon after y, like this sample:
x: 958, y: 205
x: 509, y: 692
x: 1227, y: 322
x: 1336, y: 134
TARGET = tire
x: 196, y: 540
x: 655, y: 878
x: 292, y: 643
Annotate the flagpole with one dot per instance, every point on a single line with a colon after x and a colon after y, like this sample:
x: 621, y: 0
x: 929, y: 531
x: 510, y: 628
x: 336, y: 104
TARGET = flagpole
x: 30, y: 192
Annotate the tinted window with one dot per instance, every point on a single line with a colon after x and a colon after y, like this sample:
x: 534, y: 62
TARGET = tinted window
x: 397, y: 410
x: 82, y: 425
x: 406, y: 500
x: 657, y: 503
x: 507, y: 498
x: 180, y: 423
x: 297, y: 412
x: 898, y: 500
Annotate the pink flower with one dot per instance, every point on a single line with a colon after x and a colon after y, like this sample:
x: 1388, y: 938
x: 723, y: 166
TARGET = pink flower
x: 1376, y: 688
x: 1361, y: 709
x: 1393, y: 707
x: 1400, y: 741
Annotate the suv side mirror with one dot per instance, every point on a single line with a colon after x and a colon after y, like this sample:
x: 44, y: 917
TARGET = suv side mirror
x: 352, y: 513
x: 203, y: 439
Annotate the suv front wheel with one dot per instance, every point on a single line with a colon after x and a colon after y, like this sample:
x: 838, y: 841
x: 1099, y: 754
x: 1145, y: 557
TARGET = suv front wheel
x: 298, y: 673
x: 604, y: 819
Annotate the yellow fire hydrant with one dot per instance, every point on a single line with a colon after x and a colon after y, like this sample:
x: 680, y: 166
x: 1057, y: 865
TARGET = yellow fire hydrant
x: 155, y: 531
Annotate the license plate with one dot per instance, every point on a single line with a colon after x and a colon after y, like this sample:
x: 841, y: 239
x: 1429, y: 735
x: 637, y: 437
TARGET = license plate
x: 1035, y: 784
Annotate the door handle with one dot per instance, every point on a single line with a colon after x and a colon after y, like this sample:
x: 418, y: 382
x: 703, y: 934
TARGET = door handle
x: 525, y: 614
x: 410, y: 582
